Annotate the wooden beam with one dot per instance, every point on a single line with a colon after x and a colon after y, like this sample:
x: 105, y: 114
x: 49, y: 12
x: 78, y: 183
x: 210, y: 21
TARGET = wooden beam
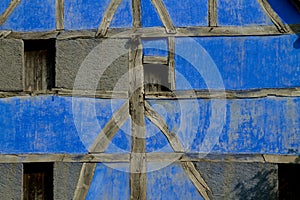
x: 100, y: 94
x: 174, y: 95
x: 13, y: 4
x: 155, y: 60
x: 227, y: 94
x: 164, y: 16
x: 107, y: 17
x: 212, y: 13
x: 160, y: 123
x: 273, y: 16
x: 136, y: 13
x: 156, y: 32
x: 4, y: 34
x: 171, y: 62
x: 136, y: 102
x: 34, y: 35
x: 197, y: 180
x: 110, y: 129
x: 84, y: 181
x: 60, y: 12
x: 175, y: 143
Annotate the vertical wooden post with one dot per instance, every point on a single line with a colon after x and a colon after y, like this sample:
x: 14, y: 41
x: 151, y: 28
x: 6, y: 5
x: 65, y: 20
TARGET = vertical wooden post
x: 212, y: 13
x: 136, y: 10
x: 60, y: 12
x: 171, y: 62
x: 137, y: 111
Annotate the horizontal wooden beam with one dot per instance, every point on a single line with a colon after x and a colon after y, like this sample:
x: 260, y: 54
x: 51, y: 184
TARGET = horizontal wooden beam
x: 155, y: 60
x: 228, y: 94
x: 154, y: 32
x: 177, y: 94
x: 150, y: 157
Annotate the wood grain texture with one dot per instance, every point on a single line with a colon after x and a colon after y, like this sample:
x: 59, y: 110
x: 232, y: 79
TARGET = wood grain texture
x: 164, y: 16
x: 150, y: 157
x: 157, y: 32
x: 110, y: 129
x: 107, y: 17
x: 136, y: 102
x: 273, y: 16
x: 187, y: 94
x: 136, y: 10
x: 84, y: 181
x: 212, y: 13
x: 227, y: 94
x: 13, y: 4
x: 35, y: 70
x: 171, y: 62
x: 60, y: 10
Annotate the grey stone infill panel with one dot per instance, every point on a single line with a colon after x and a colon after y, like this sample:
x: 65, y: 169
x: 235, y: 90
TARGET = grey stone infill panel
x: 11, y: 181
x: 11, y: 64
x: 83, y: 60
x: 65, y: 178
x: 241, y: 180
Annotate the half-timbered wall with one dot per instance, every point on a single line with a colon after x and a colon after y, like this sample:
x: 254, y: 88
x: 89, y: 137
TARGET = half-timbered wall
x: 81, y: 89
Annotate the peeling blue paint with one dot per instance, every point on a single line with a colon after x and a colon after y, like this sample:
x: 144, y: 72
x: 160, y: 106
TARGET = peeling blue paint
x: 241, y: 13
x: 51, y: 124
x: 111, y: 181
x: 243, y: 62
x: 87, y: 14
x: 170, y: 182
x: 268, y: 125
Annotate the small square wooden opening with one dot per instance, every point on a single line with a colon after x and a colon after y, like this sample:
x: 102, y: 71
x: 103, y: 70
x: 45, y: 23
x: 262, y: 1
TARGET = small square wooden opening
x: 156, y: 78
x: 38, y: 181
x: 39, y: 66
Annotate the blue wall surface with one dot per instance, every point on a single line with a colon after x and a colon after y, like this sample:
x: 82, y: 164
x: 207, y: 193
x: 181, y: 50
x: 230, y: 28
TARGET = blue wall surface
x: 51, y: 124
x: 39, y: 15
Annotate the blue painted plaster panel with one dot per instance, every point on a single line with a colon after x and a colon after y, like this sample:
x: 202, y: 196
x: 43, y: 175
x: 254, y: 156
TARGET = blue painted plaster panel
x: 170, y: 182
x: 87, y: 14
x: 267, y: 125
x: 286, y: 11
x: 241, y: 13
x: 50, y: 124
x: 182, y: 12
x: 30, y: 15
x: 155, y: 47
x: 110, y: 182
x: 237, y: 63
x: 155, y: 139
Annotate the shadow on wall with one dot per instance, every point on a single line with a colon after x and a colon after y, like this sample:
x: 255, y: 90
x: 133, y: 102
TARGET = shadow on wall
x: 289, y: 12
x: 265, y: 188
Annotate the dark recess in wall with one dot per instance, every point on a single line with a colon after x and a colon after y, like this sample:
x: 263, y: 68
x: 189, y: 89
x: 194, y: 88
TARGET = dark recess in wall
x: 156, y: 78
x: 39, y: 69
x: 289, y: 184
x: 38, y: 181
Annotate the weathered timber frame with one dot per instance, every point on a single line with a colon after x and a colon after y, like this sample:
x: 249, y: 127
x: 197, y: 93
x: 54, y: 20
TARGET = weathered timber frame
x: 137, y: 107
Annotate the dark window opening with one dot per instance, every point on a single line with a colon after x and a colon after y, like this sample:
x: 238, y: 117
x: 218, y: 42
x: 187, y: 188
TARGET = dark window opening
x: 289, y: 184
x: 156, y: 78
x: 38, y: 181
x: 39, y: 68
